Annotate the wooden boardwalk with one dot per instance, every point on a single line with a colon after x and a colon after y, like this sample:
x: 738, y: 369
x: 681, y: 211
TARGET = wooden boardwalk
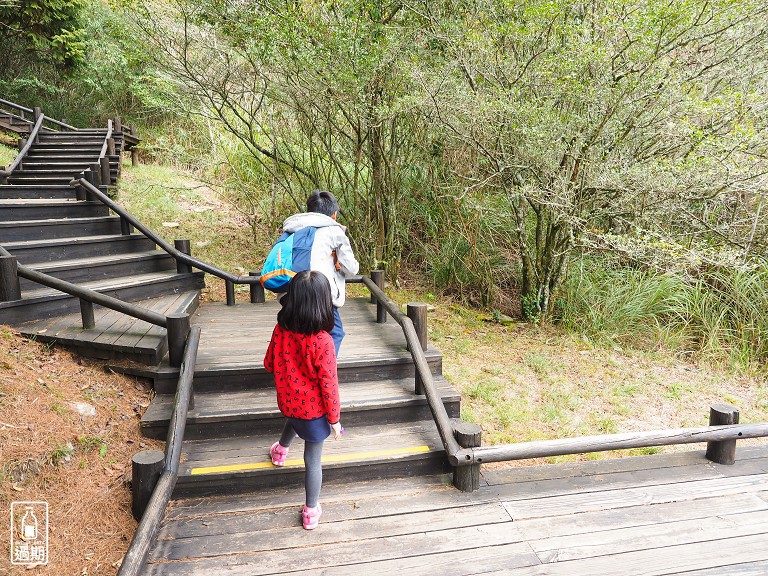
x: 653, y: 515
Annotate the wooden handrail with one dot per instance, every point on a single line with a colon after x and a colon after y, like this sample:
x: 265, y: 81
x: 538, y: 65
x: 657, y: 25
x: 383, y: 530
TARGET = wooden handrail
x: 230, y: 279
x: 24, y: 109
x: 88, y: 294
x: 4, y: 174
x: 93, y: 296
x: 601, y: 443
x: 434, y: 400
x: 146, y: 532
x: 104, y: 146
x: 17, y: 106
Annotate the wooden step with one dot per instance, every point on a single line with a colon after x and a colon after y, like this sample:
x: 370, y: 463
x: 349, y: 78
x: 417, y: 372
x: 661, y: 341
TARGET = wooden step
x: 21, y: 191
x: 252, y: 375
x: 221, y: 414
x: 30, y: 252
x: 67, y: 149
x: 30, y: 178
x: 58, y: 228
x: 66, y: 164
x: 41, y: 209
x: 91, y: 268
x: 115, y: 336
x: 232, y: 465
x: 234, y: 339
x: 47, y: 303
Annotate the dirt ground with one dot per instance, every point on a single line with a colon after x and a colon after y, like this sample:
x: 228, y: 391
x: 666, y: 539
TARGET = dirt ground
x: 68, y: 431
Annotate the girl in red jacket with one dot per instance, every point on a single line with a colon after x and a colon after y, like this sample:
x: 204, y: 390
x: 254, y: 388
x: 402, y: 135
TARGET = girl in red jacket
x: 302, y: 358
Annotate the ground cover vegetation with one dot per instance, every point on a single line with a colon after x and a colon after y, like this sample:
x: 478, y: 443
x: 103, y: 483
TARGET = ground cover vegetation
x: 68, y: 431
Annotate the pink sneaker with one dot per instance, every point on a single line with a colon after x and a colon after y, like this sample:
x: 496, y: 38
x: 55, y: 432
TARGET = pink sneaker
x: 311, y: 517
x: 279, y: 454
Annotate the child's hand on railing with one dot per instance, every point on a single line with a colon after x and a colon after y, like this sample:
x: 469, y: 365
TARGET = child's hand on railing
x: 338, y: 430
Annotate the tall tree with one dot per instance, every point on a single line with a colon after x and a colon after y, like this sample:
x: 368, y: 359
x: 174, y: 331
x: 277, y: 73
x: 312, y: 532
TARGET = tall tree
x: 603, y: 115
x: 316, y: 92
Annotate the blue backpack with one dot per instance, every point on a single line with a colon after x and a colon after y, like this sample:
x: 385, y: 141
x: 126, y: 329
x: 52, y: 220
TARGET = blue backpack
x: 290, y: 254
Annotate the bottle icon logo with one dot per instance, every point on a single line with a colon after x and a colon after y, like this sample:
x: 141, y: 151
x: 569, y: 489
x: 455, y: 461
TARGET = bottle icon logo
x: 29, y: 525
x: 29, y: 533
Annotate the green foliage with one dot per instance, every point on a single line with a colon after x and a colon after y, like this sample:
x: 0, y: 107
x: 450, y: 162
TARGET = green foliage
x: 45, y: 30
x: 720, y: 314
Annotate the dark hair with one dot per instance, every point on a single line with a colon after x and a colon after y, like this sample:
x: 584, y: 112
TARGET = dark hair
x: 323, y: 202
x: 307, y: 307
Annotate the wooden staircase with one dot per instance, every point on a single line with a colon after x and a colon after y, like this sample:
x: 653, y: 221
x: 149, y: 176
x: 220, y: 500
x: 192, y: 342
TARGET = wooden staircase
x: 45, y: 227
x: 389, y: 429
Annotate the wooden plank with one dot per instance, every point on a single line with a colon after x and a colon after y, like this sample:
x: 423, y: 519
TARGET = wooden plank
x: 613, y: 499
x: 657, y: 561
x: 278, y: 529
x: 311, y: 556
x: 506, y: 557
x: 658, y: 535
x: 357, y: 495
x: 587, y: 522
x: 741, y: 569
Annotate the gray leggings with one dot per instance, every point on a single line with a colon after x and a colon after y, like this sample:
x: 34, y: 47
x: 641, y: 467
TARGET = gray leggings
x: 313, y: 469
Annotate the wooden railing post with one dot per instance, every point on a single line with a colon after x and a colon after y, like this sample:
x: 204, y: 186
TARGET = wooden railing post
x: 229, y: 286
x: 417, y: 312
x: 146, y: 468
x: 22, y: 143
x: 185, y: 247
x: 86, y: 313
x: 95, y: 169
x: 378, y: 278
x: 134, y: 151
x: 125, y: 227
x: 722, y: 452
x: 117, y: 124
x: 467, y: 478
x: 106, y: 171
x: 10, y: 289
x: 178, y: 326
x: 257, y: 290
x: 110, y: 146
x: 37, y: 113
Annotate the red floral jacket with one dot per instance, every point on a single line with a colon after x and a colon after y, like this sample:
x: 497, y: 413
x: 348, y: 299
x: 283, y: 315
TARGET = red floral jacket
x: 304, y: 366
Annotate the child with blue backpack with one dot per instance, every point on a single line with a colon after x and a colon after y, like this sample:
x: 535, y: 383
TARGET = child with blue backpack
x: 331, y: 252
x: 301, y: 357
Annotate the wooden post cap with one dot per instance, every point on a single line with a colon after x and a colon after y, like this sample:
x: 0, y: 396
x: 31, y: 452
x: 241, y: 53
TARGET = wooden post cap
x: 146, y: 468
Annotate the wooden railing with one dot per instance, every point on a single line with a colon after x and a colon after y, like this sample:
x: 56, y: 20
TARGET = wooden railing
x: 21, y: 112
x: 146, y: 532
x: 176, y: 325
x: 181, y: 249
x: 26, y: 145
x: 462, y: 442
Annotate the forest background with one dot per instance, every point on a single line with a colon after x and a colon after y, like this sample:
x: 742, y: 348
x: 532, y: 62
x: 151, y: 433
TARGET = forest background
x: 596, y: 166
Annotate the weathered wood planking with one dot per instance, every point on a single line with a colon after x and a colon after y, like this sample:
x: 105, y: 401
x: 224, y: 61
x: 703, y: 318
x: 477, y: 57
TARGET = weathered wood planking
x: 610, y: 517
x: 240, y: 334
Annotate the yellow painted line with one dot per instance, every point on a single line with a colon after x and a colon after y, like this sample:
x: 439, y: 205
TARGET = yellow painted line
x: 326, y: 460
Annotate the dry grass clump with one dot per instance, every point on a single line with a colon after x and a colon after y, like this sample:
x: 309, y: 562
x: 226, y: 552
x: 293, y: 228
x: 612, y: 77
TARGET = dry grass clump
x: 79, y: 464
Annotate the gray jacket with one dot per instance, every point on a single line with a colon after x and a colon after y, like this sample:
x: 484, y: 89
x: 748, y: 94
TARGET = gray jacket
x: 330, y: 236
